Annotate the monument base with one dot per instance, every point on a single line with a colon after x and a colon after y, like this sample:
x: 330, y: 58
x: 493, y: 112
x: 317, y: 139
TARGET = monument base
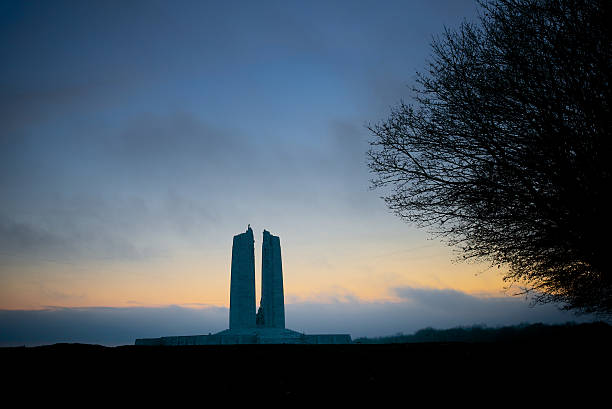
x: 248, y: 336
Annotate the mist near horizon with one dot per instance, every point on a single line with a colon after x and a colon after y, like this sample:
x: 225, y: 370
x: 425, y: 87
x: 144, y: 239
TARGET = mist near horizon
x: 418, y: 309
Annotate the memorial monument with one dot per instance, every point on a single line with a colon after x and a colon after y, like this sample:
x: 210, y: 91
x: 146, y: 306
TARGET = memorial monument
x: 267, y: 326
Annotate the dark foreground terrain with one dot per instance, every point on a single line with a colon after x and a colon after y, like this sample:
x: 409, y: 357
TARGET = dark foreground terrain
x: 553, y: 369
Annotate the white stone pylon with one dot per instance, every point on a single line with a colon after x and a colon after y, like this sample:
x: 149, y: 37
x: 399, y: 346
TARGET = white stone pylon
x: 242, y: 286
x: 272, y: 293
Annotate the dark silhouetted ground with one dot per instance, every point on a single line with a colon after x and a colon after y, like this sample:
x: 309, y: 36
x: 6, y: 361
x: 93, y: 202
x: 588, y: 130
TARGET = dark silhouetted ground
x: 552, y: 369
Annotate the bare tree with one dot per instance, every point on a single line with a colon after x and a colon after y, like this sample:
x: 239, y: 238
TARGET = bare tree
x: 505, y: 151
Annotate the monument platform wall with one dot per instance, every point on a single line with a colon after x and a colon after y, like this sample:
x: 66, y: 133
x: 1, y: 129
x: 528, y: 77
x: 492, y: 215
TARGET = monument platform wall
x: 328, y: 339
x: 254, y: 338
x: 198, y: 340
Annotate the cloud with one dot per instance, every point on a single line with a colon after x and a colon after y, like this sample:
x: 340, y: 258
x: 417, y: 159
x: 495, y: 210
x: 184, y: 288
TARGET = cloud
x: 16, y: 237
x: 179, y: 139
x: 118, y: 194
x: 83, y: 229
x: 22, y: 108
x: 106, y: 326
x: 126, y: 194
x: 419, y: 308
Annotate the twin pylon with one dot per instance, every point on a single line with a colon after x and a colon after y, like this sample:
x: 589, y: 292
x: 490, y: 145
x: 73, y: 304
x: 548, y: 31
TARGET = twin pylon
x: 271, y: 312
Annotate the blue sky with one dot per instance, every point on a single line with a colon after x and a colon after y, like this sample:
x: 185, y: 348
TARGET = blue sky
x: 136, y: 138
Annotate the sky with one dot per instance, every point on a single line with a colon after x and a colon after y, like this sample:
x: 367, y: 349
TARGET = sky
x: 137, y: 138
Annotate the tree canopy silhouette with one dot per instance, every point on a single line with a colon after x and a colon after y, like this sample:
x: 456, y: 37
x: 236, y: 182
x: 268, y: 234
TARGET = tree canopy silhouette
x: 505, y: 150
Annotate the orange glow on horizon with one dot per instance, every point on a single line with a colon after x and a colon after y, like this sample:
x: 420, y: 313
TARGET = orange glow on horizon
x: 359, y: 273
